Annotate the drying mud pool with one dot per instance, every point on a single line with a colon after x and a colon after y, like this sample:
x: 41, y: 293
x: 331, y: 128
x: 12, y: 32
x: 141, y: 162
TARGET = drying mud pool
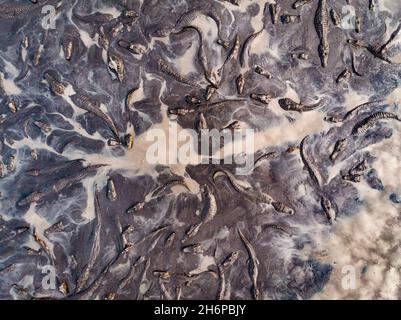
x: 100, y: 101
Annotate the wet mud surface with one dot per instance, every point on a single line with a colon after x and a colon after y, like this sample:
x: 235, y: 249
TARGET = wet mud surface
x: 82, y: 83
